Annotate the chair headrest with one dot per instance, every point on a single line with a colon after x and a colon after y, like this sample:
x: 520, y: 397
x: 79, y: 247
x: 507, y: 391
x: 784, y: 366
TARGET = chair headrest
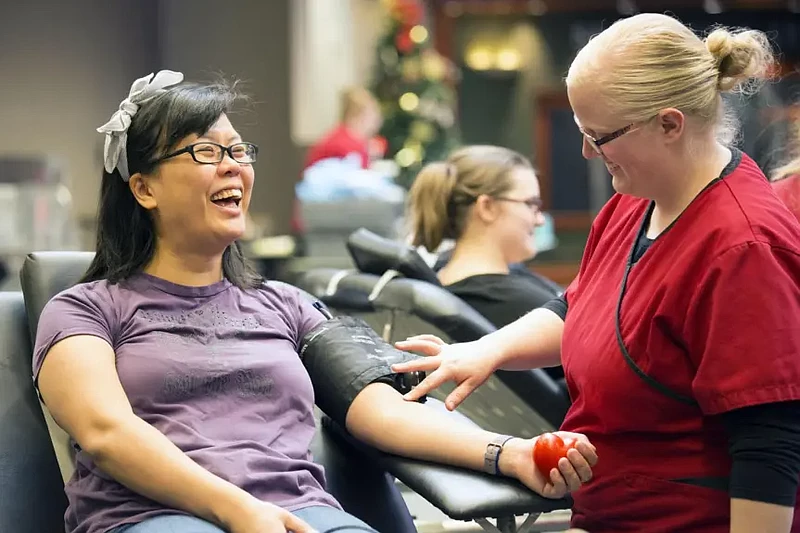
x: 432, y: 304
x: 45, y: 274
x: 374, y: 254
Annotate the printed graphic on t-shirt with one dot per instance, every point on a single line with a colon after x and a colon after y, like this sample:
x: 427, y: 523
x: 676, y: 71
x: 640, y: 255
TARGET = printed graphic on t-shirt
x: 203, y: 354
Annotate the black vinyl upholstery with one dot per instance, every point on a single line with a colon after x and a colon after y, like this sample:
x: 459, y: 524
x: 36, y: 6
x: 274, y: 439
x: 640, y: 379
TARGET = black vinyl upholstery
x: 32, y: 496
x: 417, y: 303
x: 461, y: 494
x: 374, y: 254
x: 409, y: 306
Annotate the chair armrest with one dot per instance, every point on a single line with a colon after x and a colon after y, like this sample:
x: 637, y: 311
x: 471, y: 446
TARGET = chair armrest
x: 465, y: 494
x: 460, y: 493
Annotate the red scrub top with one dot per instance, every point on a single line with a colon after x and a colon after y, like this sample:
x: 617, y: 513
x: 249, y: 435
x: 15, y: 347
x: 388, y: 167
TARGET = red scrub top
x: 338, y: 143
x: 711, y: 310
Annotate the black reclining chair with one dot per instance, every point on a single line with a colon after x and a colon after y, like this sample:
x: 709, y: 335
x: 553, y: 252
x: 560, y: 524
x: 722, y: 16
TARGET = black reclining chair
x: 364, y: 488
x: 398, y: 294
x: 32, y: 496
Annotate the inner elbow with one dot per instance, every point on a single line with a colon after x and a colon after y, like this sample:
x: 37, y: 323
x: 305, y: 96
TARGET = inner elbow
x: 100, y: 440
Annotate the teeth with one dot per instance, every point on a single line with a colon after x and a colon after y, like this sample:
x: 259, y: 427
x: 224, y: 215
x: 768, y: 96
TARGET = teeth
x: 227, y: 193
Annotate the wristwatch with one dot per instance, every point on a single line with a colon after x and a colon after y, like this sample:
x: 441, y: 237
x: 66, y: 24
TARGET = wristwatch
x: 492, y: 455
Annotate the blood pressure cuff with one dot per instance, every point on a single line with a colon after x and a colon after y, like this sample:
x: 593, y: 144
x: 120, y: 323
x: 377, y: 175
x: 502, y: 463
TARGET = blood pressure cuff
x: 342, y: 356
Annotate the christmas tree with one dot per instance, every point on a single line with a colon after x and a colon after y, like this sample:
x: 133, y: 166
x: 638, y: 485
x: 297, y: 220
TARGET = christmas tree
x: 415, y: 86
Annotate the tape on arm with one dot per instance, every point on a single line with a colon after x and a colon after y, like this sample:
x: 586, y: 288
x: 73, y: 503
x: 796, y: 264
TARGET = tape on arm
x: 344, y: 355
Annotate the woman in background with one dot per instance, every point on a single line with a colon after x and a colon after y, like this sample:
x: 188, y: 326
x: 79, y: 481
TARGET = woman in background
x: 487, y: 199
x: 355, y: 135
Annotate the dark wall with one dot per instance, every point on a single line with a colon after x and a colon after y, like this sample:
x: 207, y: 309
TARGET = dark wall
x: 500, y: 109
x: 248, y: 40
x: 64, y: 68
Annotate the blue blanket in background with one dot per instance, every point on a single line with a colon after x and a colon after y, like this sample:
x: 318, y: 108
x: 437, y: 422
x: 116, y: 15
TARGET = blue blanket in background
x: 334, y: 179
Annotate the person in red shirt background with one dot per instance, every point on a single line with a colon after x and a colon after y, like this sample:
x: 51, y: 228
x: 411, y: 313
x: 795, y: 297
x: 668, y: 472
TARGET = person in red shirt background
x: 786, y: 183
x: 359, y: 123
x: 679, y: 337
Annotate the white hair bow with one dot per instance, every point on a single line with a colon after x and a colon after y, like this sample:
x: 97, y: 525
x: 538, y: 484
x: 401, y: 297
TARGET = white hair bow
x: 116, y: 129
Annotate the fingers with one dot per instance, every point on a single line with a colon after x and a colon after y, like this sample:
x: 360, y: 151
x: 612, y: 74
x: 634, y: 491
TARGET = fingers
x: 583, y: 445
x: 460, y: 394
x: 295, y: 525
x: 570, y: 475
x: 572, y: 472
x: 427, y: 337
x: 425, y: 386
x: 426, y: 364
x: 423, y: 346
x: 576, y: 469
x: 558, y: 485
x: 588, y: 451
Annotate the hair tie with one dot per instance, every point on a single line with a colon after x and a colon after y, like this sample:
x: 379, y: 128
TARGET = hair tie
x: 450, y: 170
x: 116, y: 129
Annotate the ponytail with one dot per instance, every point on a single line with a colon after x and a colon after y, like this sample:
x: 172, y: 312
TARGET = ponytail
x: 428, y: 205
x: 442, y: 195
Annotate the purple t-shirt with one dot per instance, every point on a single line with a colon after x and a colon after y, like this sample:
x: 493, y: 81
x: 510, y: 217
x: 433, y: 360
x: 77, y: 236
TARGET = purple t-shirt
x: 213, y: 368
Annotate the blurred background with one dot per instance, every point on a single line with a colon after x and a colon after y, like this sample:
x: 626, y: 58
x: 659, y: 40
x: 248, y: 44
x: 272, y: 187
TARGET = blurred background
x: 446, y: 73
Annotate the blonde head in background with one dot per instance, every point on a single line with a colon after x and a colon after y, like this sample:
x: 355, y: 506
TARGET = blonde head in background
x: 658, y: 87
x: 360, y: 111
x: 485, y: 194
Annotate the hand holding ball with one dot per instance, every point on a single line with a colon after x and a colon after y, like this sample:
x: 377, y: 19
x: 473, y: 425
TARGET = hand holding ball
x: 548, y: 450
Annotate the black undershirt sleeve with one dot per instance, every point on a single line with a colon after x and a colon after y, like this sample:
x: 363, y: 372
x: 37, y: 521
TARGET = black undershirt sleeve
x: 557, y: 305
x: 764, y: 443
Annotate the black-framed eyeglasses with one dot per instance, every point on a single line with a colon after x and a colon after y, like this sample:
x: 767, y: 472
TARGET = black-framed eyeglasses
x: 597, y: 142
x: 210, y: 153
x: 534, y: 204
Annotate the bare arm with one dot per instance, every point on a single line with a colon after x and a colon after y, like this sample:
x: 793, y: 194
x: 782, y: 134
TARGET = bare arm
x: 381, y: 418
x: 80, y: 385
x: 532, y: 341
x: 748, y: 515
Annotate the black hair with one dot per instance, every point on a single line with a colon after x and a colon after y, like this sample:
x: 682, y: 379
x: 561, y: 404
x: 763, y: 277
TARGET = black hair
x: 126, y: 236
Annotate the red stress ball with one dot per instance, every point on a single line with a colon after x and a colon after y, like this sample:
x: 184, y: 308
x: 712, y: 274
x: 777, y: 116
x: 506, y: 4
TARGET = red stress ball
x: 548, y: 450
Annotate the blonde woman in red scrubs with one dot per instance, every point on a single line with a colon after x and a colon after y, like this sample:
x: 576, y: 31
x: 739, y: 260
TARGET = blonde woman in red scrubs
x: 680, y: 337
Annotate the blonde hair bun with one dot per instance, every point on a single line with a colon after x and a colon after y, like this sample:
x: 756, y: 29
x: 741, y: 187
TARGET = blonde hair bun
x: 744, y: 58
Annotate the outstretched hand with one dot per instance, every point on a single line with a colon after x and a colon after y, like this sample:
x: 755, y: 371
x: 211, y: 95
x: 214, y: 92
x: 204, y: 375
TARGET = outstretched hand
x: 467, y: 364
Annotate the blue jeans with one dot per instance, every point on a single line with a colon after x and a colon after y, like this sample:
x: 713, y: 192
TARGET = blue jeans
x: 322, y: 518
